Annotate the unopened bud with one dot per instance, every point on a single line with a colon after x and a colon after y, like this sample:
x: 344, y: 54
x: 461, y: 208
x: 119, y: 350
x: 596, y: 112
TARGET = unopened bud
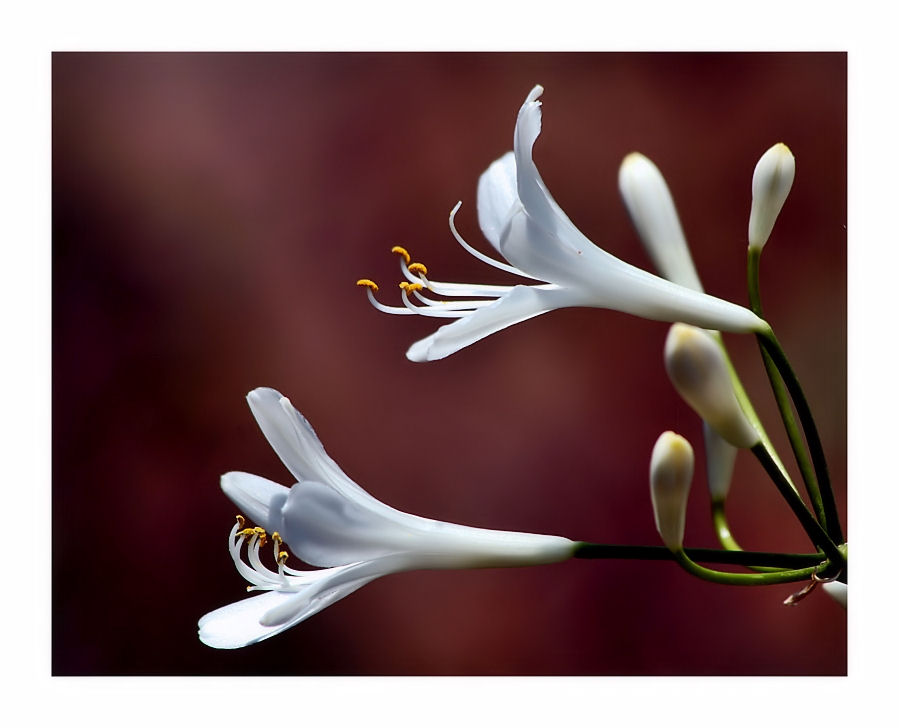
x: 838, y: 590
x: 771, y: 183
x: 670, y: 476
x: 648, y: 201
x: 698, y: 371
x: 720, y: 458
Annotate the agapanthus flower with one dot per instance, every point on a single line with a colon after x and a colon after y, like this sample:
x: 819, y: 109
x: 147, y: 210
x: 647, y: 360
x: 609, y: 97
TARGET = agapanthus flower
x: 329, y: 521
x: 538, y: 242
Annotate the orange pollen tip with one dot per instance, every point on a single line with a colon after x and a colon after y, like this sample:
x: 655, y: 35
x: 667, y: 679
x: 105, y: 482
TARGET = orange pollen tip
x: 409, y: 287
x: 367, y: 284
x: 418, y: 268
x: 241, y: 521
x: 399, y: 250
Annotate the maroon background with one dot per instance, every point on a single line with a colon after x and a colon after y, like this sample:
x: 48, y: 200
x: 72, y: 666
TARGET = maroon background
x: 210, y: 216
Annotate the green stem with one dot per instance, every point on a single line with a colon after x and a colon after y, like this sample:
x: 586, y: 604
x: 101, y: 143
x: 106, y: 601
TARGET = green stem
x: 748, y: 409
x: 587, y: 550
x: 722, y: 529
x: 809, y: 476
x: 722, y: 577
x: 816, y: 533
x: 816, y: 449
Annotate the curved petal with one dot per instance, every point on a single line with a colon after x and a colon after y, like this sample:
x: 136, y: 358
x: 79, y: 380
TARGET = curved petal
x: 295, y: 442
x: 522, y: 303
x: 259, y: 499
x: 336, y: 584
x: 237, y: 625
x: 497, y: 196
x: 532, y: 191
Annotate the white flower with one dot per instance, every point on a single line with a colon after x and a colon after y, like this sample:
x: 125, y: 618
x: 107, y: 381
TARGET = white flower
x: 524, y: 224
x: 771, y: 183
x: 328, y: 521
x: 697, y: 369
x: 670, y: 476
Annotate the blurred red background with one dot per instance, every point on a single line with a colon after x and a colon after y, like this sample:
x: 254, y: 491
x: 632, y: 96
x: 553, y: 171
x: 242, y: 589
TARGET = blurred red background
x: 211, y: 213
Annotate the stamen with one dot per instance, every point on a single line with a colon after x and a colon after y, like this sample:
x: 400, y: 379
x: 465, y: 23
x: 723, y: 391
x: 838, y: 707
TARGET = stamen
x: 370, y: 287
x: 241, y: 521
x: 436, y: 311
x: 406, y: 286
x: 418, y: 268
x: 399, y: 250
x: 478, y: 254
x: 454, y: 305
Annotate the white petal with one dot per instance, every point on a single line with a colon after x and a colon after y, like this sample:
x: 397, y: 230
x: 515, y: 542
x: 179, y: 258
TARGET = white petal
x: 237, y: 625
x: 324, y: 528
x: 652, y: 211
x: 522, y: 303
x: 335, y: 585
x: 295, y: 442
x: 497, y: 196
x: 259, y: 499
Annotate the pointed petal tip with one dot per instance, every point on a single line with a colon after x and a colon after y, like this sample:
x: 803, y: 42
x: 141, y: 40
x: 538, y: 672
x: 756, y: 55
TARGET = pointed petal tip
x: 420, y: 351
x: 258, y: 498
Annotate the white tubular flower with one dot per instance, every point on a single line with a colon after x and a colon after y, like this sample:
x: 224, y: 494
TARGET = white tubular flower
x: 651, y: 208
x: 696, y: 367
x: 771, y: 183
x: 524, y: 224
x: 328, y: 521
x: 670, y: 476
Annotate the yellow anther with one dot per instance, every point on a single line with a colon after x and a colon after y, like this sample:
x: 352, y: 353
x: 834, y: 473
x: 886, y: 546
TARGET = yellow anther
x: 367, y: 284
x: 276, y: 537
x: 260, y: 530
x: 241, y: 521
x: 418, y: 268
x: 282, y: 557
x: 402, y: 251
x: 247, y: 532
x: 409, y: 287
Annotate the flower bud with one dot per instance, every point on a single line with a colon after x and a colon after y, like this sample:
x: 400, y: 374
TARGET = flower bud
x: 838, y: 590
x: 720, y: 457
x: 654, y: 215
x: 771, y: 183
x: 698, y: 371
x: 670, y: 476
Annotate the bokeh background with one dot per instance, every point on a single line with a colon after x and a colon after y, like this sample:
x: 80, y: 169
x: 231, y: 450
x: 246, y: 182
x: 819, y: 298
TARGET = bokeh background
x: 211, y: 213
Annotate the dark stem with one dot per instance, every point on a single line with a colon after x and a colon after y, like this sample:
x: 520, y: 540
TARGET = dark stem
x: 586, y: 550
